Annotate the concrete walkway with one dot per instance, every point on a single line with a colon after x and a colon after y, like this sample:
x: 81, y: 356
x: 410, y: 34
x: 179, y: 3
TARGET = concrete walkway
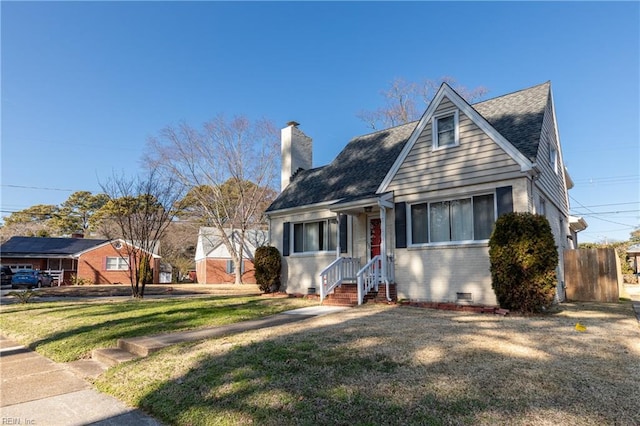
x: 38, y: 391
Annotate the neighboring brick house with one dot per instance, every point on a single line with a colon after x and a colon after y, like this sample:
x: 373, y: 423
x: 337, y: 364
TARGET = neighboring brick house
x: 213, y: 261
x: 411, y: 208
x: 96, y: 261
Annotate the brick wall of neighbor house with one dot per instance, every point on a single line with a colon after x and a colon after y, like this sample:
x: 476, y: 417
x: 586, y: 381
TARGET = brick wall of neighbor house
x: 92, y: 266
x: 38, y: 264
x: 214, y: 271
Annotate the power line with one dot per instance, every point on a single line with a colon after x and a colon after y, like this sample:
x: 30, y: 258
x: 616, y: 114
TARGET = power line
x: 612, y: 204
x: 594, y: 215
x: 43, y: 188
x: 611, y: 212
x: 607, y: 180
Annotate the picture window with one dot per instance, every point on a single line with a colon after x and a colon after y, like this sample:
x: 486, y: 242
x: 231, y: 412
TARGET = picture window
x: 464, y: 219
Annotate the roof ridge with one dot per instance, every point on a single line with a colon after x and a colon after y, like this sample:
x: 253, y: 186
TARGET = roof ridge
x: 386, y: 129
x: 510, y: 93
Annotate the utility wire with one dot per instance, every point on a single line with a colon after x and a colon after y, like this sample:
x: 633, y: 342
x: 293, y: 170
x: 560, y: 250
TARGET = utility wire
x: 599, y: 218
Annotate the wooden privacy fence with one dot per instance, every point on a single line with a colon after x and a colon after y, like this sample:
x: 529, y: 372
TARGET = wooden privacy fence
x: 592, y: 275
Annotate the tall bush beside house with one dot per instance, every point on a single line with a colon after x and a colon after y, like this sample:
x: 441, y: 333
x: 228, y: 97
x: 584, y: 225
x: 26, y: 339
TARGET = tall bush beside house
x: 523, y: 259
x: 267, y: 263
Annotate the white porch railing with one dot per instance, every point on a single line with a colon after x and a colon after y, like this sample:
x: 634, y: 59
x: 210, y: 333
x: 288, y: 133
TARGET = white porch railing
x: 341, y: 269
x: 57, y: 275
x: 369, y: 277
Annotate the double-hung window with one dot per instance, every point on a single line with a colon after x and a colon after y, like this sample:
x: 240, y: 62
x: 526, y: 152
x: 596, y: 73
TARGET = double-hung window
x: 463, y: 219
x: 445, y: 130
x: 231, y: 267
x: 117, y: 264
x: 315, y: 236
x: 553, y: 159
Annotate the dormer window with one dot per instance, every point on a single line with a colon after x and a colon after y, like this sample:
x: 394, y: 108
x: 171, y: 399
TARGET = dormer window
x: 445, y: 130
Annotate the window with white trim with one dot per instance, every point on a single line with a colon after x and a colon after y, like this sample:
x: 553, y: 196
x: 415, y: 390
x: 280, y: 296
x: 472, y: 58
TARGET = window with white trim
x: 463, y: 219
x: 445, y: 130
x: 117, y: 264
x: 315, y: 236
x: 231, y: 267
x: 542, y: 207
x: 553, y: 159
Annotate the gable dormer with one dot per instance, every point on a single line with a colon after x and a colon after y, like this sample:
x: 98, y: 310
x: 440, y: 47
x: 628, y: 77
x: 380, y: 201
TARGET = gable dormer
x: 453, y: 145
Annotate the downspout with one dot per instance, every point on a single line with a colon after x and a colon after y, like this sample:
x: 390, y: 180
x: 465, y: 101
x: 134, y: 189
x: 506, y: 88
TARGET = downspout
x: 338, y: 248
x: 383, y: 248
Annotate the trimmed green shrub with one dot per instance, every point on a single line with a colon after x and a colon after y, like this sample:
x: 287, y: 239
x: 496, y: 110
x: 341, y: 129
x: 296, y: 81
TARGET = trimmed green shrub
x: 267, y: 263
x: 523, y: 259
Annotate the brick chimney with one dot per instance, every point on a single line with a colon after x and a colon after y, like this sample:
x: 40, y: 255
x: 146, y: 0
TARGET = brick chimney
x: 297, y: 152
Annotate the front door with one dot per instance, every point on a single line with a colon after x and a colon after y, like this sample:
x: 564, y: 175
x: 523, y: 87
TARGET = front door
x: 375, y: 237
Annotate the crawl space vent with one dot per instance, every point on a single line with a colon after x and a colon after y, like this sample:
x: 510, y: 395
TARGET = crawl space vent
x: 467, y: 297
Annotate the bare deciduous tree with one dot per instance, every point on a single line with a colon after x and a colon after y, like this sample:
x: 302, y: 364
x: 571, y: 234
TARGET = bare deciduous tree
x: 141, y: 209
x: 405, y: 101
x: 230, y: 168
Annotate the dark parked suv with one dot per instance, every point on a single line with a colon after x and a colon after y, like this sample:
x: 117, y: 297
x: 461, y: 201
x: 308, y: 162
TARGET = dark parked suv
x: 7, y: 273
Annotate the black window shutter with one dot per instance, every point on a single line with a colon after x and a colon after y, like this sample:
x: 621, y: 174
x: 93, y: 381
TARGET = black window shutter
x: 343, y: 233
x: 505, y: 200
x: 401, y: 225
x: 286, y: 236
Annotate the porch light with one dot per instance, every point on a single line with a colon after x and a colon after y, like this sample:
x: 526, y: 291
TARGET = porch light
x: 368, y: 209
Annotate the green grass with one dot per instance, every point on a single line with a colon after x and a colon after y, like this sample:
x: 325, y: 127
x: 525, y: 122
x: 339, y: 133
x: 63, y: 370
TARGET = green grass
x: 67, y: 331
x: 372, y: 365
x: 379, y: 365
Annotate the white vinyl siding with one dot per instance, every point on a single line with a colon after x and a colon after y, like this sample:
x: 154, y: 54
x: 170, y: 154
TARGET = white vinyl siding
x: 551, y: 180
x: 117, y: 264
x: 477, y: 159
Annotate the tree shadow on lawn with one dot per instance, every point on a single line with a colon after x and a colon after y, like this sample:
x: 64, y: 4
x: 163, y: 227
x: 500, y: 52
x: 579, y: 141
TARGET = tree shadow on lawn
x: 400, y: 365
x: 178, y: 315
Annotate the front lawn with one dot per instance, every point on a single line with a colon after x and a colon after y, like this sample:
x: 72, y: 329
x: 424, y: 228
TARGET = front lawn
x: 66, y: 331
x: 381, y: 365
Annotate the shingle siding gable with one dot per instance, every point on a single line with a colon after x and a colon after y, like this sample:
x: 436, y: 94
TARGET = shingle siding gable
x: 476, y: 159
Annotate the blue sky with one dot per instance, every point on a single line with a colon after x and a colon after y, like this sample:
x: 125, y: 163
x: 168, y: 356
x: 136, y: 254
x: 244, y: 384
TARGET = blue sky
x: 84, y: 84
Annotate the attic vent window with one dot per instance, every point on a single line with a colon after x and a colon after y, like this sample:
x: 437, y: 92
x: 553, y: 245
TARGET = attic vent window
x: 445, y: 130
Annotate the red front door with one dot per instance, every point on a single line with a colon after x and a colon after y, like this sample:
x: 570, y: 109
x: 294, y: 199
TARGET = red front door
x: 375, y: 237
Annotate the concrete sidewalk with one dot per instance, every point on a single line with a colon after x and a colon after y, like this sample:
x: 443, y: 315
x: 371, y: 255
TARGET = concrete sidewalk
x: 38, y: 391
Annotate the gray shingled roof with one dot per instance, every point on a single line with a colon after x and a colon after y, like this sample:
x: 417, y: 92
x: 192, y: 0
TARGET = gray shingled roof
x: 36, y: 246
x: 518, y: 116
x: 356, y: 172
x: 359, y: 169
